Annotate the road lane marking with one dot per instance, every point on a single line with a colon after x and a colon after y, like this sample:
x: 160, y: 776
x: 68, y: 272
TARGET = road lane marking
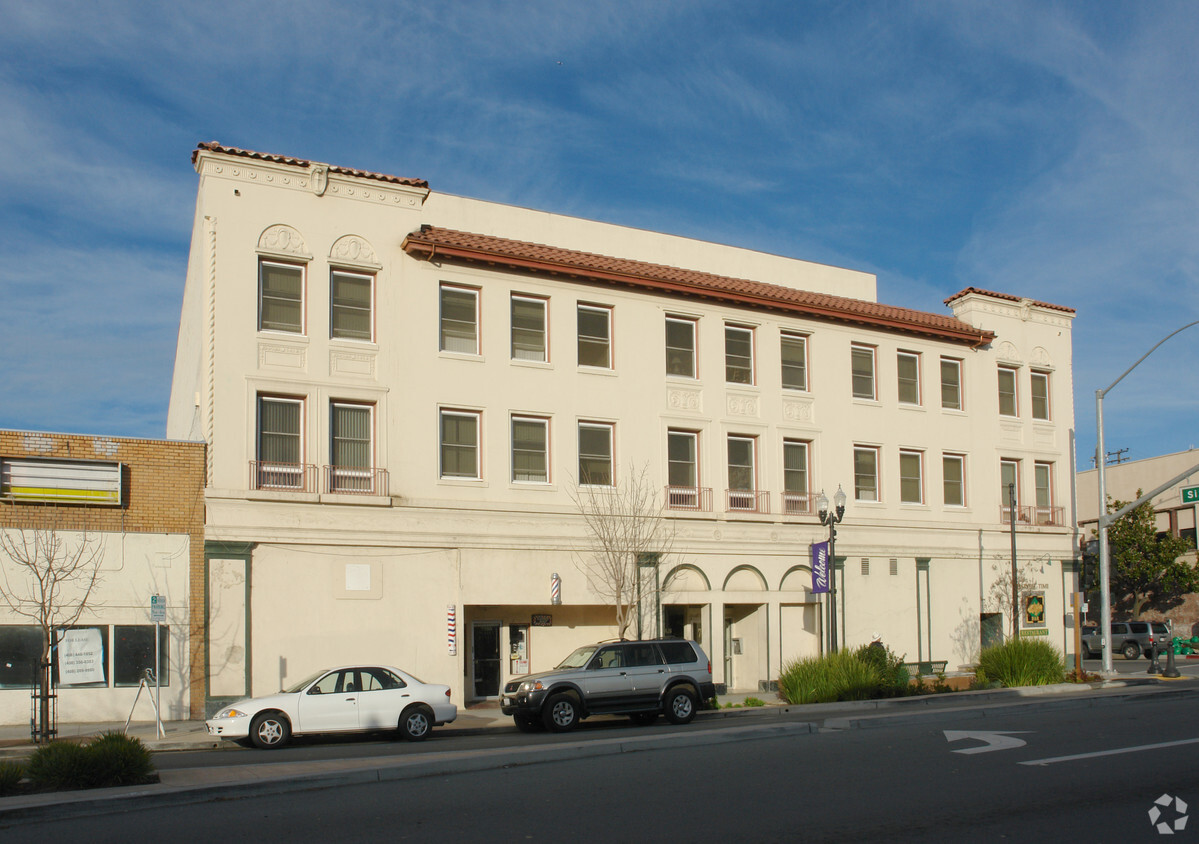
x: 993, y: 740
x: 1054, y: 759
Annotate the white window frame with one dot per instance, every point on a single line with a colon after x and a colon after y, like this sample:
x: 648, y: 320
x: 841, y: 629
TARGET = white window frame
x: 526, y: 349
x: 1003, y: 495
x: 280, y: 470
x: 610, y: 430
x: 742, y: 498
x: 1042, y: 377
x: 605, y: 341
x: 541, y: 422
x: 442, y: 335
x: 796, y: 501
x: 801, y: 341
x: 956, y: 364
x: 739, y: 368
x: 693, y: 329
x: 1046, y: 468
x: 334, y: 273
x: 303, y: 270
x: 857, y: 351
x: 906, y: 456
x: 860, y: 489
x: 361, y: 478
x: 1003, y: 372
x: 960, y: 459
x: 477, y: 416
x: 683, y: 495
x: 915, y: 382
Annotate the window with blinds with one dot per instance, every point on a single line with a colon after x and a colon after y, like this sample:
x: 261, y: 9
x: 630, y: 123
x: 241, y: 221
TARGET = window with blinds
x: 352, y: 298
x: 280, y: 297
x: 280, y: 442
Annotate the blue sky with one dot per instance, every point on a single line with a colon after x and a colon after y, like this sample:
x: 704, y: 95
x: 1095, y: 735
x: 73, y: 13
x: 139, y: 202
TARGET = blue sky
x: 1048, y: 150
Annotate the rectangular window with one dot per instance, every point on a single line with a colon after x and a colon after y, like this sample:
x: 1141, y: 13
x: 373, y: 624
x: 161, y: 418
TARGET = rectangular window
x: 742, y: 473
x: 529, y: 328
x: 795, y: 361
x: 595, y: 336
x: 1009, y: 476
x: 459, y: 444
x: 81, y: 656
x: 530, y: 449
x: 680, y: 347
x: 796, y: 492
x: 682, y: 471
x: 459, y: 320
x: 351, y: 450
x: 911, y: 477
x: 595, y: 454
x: 1007, y: 391
x: 280, y: 297
x: 865, y: 473
x: 951, y: 384
x: 863, y: 371
x: 953, y: 470
x: 738, y: 355
x: 133, y: 654
x: 280, y: 443
x: 22, y: 649
x: 908, y: 366
x: 352, y: 300
x: 1040, y: 395
x: 1043, y: 477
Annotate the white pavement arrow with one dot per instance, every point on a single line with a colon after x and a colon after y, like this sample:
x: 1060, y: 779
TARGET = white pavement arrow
x: 994, y: 741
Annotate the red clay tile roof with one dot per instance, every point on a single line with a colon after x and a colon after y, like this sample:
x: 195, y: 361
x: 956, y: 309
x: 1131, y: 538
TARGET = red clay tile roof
x: 446, y: 244
x: 215, y: 146
x: 1006, y: 296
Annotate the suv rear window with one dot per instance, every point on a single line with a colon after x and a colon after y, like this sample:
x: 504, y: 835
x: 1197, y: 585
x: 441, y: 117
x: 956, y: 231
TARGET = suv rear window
x: 1138, y: 626
x: 1159, y: 627
x: 677, y: 653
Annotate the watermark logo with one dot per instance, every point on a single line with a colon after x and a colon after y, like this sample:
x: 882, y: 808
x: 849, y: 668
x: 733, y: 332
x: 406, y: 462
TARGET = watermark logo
x: 1160, y: 814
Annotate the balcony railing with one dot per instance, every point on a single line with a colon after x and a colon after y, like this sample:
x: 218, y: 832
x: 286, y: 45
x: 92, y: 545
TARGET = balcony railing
x: 1033, y: 515
x: 746, y: 501
x: 798, y: 504
x: 294, y: 477
x: 355, y: 480
x: 696, y: 498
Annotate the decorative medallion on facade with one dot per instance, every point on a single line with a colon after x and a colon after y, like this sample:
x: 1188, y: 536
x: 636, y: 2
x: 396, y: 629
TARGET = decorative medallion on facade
x: 283, y: 240
x: 352, y: 250
x: 742, y: 405
x: 795, y: 410
x: 1040, y: 358
x: 1006, y: 351
x: 678, y: 399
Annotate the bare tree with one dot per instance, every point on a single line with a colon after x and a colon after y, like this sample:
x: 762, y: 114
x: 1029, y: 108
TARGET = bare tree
x: 626, y: 526
x: 50, y: 581
x: 1002, y: 595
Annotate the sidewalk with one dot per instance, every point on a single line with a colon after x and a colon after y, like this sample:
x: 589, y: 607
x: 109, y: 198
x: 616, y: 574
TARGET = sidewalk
x: 190, y: 785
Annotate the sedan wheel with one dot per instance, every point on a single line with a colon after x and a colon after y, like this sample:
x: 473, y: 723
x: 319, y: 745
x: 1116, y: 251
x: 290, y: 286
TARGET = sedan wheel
x: 415, y: 724
x: 269, y: 730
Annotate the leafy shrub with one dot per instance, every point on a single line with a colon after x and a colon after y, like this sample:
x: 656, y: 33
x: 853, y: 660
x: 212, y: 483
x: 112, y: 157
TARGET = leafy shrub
x: 895, y: 675
x: 109, y: 760
x: 753, y: 701
x: 824, y: 679
x: 1022, y: 662
x: 10, y: 777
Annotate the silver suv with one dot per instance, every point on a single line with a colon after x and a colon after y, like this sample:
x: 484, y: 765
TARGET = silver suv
x: 639, y: 679
x: 1131, y: 638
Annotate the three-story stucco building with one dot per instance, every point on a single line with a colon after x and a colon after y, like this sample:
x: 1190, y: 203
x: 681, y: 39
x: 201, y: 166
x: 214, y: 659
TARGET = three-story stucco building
x: 400, y: 389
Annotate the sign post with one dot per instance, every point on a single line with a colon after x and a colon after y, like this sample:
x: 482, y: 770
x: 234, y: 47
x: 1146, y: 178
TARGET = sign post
x: 158, y: 614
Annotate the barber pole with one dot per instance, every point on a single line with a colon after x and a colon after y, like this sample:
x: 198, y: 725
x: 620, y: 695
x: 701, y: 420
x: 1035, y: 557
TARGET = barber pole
x: 555, y: 589
x: 451, y: 628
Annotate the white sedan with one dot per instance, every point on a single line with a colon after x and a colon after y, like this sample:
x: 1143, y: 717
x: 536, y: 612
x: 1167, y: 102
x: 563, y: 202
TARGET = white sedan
x: 350, y: 698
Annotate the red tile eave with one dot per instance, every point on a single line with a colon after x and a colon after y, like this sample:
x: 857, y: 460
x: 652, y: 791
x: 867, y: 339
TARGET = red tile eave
x: 216, y: 146
x: 428, y: 251
x: 1006, y: 297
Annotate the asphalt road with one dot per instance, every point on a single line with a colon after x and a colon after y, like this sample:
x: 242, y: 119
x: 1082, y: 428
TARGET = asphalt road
x: 1067, y: 774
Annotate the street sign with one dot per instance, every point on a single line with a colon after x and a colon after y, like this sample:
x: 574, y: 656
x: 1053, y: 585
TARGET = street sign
x: 158, y: 608
x: 1190, y: 495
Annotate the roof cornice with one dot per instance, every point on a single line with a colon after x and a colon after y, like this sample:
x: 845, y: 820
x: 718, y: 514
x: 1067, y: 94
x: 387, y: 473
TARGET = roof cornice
x: 432, y: 243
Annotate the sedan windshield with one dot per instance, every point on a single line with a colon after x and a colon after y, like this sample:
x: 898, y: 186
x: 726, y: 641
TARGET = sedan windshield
x: 295, y: 687
x: 579, y: 658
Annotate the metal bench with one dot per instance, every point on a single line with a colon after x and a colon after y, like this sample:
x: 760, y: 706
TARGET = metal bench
x: 926, y: 667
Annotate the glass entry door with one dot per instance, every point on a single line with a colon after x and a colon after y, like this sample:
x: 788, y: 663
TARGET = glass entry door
x: 485, y: 658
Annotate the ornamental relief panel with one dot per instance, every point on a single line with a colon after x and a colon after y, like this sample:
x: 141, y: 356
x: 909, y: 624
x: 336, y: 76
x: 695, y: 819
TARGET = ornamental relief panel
x: 680, y: 399
x: 741, y: 405
x: 352, y: 250
x: 283, y: 240
x: 351, y: 363
x: 321, y: 182
x: 795, y: 410
x: 289, y: 357
x: 1006, y: 351
x: 1011, y: 433
x: 1040, y: 357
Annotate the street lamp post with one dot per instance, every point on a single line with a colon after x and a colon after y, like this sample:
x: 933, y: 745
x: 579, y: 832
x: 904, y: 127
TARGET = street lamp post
x: 1105, y: 586
x: 831, y: 518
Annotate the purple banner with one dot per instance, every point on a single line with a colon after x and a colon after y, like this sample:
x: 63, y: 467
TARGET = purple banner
x: 819, y: 566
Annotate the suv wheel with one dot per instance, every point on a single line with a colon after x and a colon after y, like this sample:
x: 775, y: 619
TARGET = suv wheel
x: 561, y: 713
x: 1131, y: 650
x: 681, y: 704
